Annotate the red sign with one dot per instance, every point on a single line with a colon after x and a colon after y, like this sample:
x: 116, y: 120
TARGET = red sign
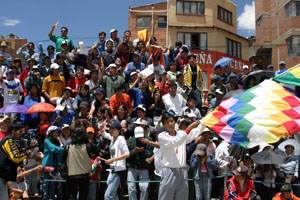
x: 207, y: 60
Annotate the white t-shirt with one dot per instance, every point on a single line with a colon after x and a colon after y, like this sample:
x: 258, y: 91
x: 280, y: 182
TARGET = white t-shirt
x: 159, y: 68
x: 116, y: 149
x: 12, y: 90
x: 176, y: 103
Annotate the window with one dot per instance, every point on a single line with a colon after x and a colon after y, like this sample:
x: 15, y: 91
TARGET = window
x: 292, y: 9
x: 143, y: 22
x: 196, y: 41
x: 190, y: 7
x: 224, y: 15
x: 233, y: 48
x: 293, y: 45
x: 162, y: 22
x: 259, y: 20
x: 204, y: 79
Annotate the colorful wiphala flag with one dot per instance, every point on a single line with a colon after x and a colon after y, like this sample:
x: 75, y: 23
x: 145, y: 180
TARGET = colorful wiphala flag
x: 262, y: 114
x: 291, y: 77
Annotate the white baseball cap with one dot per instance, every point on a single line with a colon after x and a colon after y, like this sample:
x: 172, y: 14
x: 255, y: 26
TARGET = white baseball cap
x: 113, y: 30
x: 60, y: 104
x: 138, y: 132
x: 54, y: 66
x: 51, y: 129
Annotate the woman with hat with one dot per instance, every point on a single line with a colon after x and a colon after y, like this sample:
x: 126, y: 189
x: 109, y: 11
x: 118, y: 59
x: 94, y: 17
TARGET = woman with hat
x: 119, y: 152
x: 240, y: 186
x: 51, y: 161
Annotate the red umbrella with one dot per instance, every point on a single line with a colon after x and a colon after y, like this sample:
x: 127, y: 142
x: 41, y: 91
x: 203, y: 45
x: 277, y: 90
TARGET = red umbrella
x: 41, y: 107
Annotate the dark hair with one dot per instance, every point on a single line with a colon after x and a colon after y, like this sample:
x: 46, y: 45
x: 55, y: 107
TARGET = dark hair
x: 109, y: 41
x: 79, y: 136
x: 127, y: 31
x: 102, y: 33
x: 14, y: 126
x: 93, y: 71
x: 101, y: 109
x: 64, y: 28
x: 121, y: 87
x: 124, y: 107
x: 156, y: 57
x: 140, y: 41
x: 50, y: 46
x: 85, y: 86
x: 178, y: 43
x: 58, y: 56
x: 80, y: 68
x: 153, y: 38
x: 172, y: 84
x: 166, y: 116
x: 38, y: 90
x: 31, y: 44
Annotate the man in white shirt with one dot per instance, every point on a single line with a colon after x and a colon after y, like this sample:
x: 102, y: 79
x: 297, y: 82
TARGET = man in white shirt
x: 174, y: 177
x: 156, y: 67
x: 174, y: 101
x: 13, y: 89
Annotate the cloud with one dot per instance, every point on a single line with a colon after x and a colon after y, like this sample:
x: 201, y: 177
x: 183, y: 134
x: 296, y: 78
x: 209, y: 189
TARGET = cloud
x: 9, y: 22
x: 246, y: 20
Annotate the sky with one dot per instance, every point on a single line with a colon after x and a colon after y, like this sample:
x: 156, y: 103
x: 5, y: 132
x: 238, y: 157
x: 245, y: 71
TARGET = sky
x: 32, y: 19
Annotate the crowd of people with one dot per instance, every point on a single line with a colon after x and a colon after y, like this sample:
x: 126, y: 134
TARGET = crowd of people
x: 126, y: 114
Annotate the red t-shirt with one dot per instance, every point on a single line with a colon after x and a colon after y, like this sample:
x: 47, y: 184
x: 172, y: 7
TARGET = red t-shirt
x: 3, y: 134
x: 115, y: 102
x: 75, y: 84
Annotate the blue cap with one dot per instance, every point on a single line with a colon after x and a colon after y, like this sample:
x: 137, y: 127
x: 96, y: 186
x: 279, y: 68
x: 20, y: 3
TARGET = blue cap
x: 282, y: 63
x: 232, y: 75
x: 116, y: 125
x: 185, y: 48
x: 9, y: 70
x: 218, y: 77
x: 99, y: 91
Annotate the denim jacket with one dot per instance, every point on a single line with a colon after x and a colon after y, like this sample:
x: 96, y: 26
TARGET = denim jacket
x: 210, y: 165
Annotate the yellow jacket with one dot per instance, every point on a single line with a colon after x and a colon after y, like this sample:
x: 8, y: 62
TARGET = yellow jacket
x: 188, y: 77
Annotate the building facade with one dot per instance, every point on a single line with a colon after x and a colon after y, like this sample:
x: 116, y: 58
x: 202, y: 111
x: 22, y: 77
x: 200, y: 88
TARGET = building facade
x: 208, y: 27
x: 278, y: 31
x: 14, y: 43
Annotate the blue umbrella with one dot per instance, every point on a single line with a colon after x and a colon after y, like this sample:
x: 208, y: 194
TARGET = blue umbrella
x: 14, y: 108
x: 223, y: 62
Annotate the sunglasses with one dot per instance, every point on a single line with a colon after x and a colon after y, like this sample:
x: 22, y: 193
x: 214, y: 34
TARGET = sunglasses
x: 30, y: 46
x: 64, y: 31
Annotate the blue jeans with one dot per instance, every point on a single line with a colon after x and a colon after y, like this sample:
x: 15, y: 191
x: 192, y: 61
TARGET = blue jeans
x: 203, y: 187
x: 197, y: 96
x: 3, y: 190
x: 141, y: 175
x: 113, y: 182
x: 48, y: 187
x: 92, y: 191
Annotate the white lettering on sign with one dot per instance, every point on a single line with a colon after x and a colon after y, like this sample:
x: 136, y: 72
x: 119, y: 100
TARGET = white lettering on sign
x: 208, y: 61
x: 202, y: 59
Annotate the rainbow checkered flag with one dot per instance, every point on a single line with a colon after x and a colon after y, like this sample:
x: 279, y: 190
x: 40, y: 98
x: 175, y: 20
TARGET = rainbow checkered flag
x: 262, y: 114
x: 290, y: 77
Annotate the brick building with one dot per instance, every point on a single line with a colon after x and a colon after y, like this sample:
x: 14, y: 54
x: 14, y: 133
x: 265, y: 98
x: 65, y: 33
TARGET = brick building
x: 14, y: 43
x: 278, y: 31
x: 208, y: 27
x: 152, y: 17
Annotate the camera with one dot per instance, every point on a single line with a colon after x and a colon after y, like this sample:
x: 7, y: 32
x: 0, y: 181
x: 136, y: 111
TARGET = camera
x: 28, y: 141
